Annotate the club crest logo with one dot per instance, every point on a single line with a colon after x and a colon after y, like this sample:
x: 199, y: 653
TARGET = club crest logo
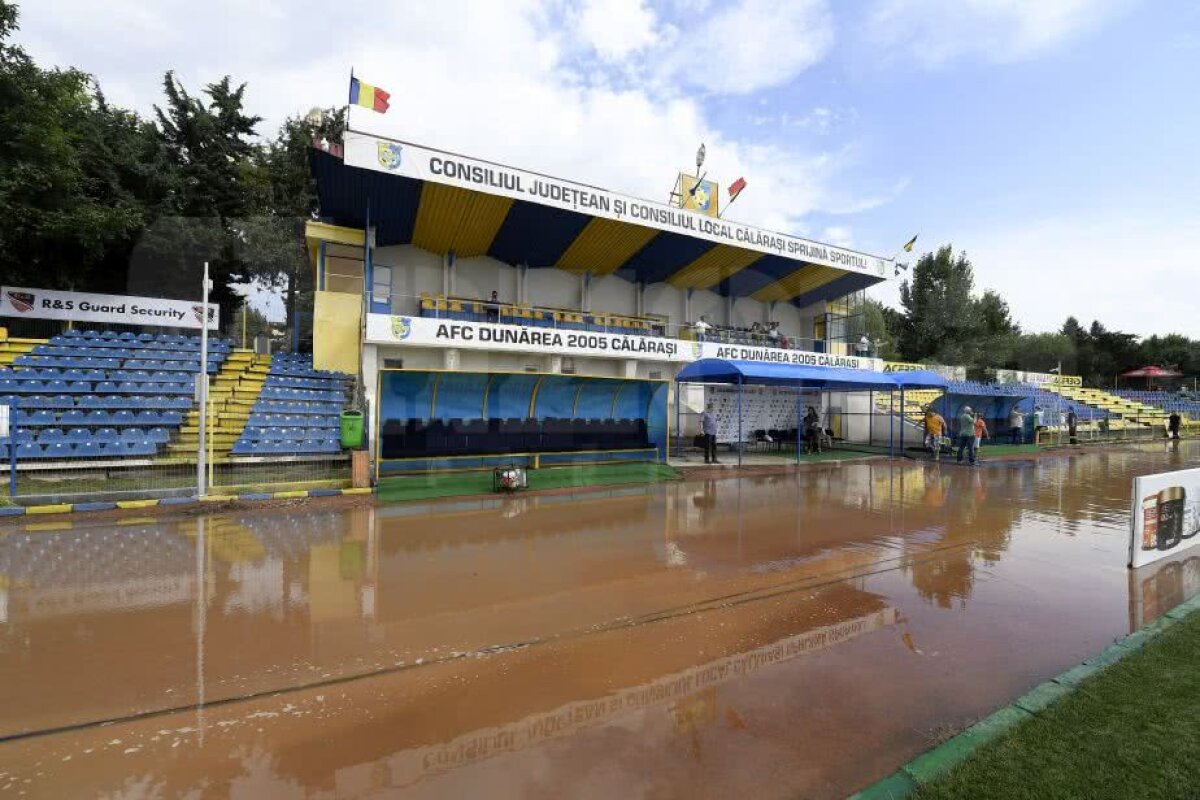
x: 389, y: 155
x: 198, y: 313
x: 401, y: 328
x: 21, y: 301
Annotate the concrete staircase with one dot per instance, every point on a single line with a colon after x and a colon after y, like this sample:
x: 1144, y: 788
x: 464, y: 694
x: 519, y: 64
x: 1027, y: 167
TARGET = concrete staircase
x: 232, y: 393
x: 10, y: 348
x: 1132, y: 413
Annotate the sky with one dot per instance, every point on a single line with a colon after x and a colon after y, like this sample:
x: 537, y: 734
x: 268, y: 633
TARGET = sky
x: 1054, y: 141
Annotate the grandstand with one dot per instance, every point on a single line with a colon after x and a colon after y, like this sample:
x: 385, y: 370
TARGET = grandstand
x: 109, y: 399
x: 1126, y: 412
x: 296, y: 411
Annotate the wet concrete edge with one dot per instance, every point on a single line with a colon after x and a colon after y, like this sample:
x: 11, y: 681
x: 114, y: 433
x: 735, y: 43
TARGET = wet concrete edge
x: 940, y: 759
x: 176, y: 502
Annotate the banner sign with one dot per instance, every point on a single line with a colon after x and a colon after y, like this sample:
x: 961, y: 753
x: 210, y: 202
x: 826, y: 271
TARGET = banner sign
x: 424, y: 164
x: 111, y: 308
x: 775, y: 355
x: 1068, y: 380
x: 1165, y: 517
x: 950, y: 373
x: 429, y: 332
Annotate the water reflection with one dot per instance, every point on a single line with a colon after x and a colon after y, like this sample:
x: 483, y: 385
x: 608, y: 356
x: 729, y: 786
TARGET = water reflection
x: 688, y: 620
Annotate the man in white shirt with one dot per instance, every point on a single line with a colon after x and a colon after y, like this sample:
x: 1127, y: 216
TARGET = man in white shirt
x: 1016, y: 426
x: 702, y: 328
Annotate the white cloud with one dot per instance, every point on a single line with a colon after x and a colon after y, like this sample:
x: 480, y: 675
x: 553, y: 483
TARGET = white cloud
x: 617, y: 28
x: 495, y: 80
x: 840, y: 235
x: 752, y: 44
x: 1129, y: 272
x: 935, y: 32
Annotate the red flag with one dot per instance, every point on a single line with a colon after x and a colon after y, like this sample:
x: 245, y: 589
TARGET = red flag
x: 382, y: 99
x: 736, y: 187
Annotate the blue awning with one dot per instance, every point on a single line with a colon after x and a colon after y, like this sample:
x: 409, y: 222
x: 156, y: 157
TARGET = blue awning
x: 920, y: 379
x: 757, y: 373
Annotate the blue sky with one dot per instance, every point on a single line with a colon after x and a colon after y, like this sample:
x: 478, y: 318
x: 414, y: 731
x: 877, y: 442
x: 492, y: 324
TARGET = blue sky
x: 1053, y: 140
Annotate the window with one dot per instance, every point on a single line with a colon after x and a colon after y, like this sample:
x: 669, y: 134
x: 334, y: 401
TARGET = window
x: 381, y: 285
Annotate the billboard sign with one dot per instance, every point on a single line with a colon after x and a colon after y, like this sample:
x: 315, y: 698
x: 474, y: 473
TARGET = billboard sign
x: 1165, y: 518
x: 114, y: 309
x: 432, y: 332
x: 425, y: 164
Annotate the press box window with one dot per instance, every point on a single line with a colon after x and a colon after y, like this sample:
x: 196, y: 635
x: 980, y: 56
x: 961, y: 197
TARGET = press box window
x: 381, y: 286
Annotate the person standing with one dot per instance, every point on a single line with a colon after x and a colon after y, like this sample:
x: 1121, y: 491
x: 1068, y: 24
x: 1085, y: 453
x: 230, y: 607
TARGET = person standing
x: 935, y: 428
x: 812, y: 431
x: 1173, y: 423
x: 708, y: 429
x: 966, y: 434
x: 863, y: 349
x: 981, y: 430
x: 702, y: 327
x: 1016, y: 426
x: 1039, y: 423
x: 1073, y: 426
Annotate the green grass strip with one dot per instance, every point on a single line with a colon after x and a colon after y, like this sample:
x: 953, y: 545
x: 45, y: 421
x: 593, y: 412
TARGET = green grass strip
x: 435, y: 485
x: 1130, y: 729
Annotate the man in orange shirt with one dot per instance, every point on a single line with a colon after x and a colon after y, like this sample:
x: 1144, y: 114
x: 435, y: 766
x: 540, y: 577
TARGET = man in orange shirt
x: 981, y: 431
x: 935, y: 428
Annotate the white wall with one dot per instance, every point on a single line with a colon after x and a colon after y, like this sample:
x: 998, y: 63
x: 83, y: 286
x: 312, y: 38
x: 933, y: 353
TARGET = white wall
x: 614, y: 295
x: 747, y: 311
x: 666, y: 301
x: 708, y: 304
x: 553, y: 288
x: 480, y: 276
x: 413, y: 271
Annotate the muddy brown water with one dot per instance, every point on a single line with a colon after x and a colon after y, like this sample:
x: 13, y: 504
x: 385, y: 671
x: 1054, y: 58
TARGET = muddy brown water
x: 796, y: 636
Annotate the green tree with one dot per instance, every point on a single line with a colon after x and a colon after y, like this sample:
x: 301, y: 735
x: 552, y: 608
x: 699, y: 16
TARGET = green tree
x: 881, y: 324
x: 209, y: 152
x: 75, y: 174
x: 1043, y: 352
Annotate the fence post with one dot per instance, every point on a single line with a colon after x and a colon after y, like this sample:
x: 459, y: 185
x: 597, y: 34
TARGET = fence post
x: 12, y: 450
x: 202, y: 388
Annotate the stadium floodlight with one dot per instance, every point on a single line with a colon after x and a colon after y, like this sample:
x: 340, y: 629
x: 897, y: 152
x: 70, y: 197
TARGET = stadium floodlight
x: 700, y: 158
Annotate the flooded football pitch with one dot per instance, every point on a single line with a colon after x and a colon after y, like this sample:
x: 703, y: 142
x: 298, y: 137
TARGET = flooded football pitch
x: 791, y: 635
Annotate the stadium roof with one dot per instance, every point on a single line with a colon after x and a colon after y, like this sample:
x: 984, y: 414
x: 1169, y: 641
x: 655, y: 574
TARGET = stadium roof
x: 441, y: 201
x: 758, y: 373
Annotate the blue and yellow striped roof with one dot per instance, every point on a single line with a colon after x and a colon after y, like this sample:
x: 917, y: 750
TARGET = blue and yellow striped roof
x: 441, y: 218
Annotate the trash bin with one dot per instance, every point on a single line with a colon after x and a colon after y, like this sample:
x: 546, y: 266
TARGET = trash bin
x: 352, y: 429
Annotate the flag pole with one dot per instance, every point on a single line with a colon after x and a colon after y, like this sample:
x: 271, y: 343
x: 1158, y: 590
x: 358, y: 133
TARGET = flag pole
x: 727, y: 205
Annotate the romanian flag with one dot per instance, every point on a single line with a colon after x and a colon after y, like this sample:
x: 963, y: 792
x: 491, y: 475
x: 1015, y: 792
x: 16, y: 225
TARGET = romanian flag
x: 908, y: 246
x: 736, y: 187
x: 368, y: 96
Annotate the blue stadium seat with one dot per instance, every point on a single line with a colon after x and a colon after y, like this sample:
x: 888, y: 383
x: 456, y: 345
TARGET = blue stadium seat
x: 132, y: 435
x: 51, y: 435
x: 158, y: 435
x: 142, y: 448
x: 105, y: 435
x: 79, y: 435
x: 123, y: 417
x: 87, y: 450
x: 28, y: 450
x: 113, y: 449
x: 56, y: 450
